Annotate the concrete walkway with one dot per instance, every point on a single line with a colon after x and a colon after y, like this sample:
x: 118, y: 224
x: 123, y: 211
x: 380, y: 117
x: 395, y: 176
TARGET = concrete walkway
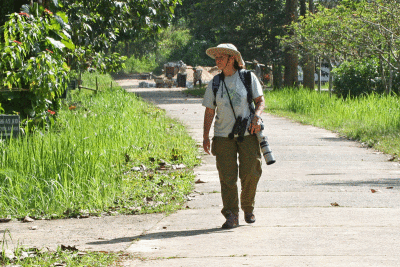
x: 325, y: 202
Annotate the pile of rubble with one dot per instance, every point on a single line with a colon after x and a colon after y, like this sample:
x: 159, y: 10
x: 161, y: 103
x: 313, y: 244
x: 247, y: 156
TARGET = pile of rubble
x: 207, y: 73
x: 170, y: 80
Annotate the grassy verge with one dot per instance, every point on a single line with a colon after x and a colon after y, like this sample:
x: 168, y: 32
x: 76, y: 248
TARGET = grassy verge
x: 105, y: 153
x: 373, y: 119
x: 197, y: 90
x: 108, y: 152
x: 33, y: 257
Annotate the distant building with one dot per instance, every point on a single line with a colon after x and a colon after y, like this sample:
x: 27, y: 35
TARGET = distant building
x: 324, y: 75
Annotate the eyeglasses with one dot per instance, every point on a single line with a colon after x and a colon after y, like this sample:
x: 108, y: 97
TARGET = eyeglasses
x: 219, y: 58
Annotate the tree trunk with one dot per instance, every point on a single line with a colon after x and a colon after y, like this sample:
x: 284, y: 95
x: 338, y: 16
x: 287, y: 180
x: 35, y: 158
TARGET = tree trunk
x: 291, y: 61
x: 319, y: 74
x: 303, y: 8
x: 277, y: 76
x: 330, y: 78
x: 309, y: 62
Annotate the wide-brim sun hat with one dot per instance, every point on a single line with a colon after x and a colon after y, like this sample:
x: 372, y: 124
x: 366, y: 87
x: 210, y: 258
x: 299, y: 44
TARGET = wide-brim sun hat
x: 227, y: 49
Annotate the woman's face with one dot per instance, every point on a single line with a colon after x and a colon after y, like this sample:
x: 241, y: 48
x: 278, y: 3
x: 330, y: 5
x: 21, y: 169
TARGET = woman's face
x: 222, y: 61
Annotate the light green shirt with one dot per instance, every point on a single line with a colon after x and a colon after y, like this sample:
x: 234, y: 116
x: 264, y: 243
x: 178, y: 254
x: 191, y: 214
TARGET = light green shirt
x: 225, y: 118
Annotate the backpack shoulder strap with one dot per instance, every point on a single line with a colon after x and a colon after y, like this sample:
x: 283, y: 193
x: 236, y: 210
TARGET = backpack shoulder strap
x: 215, y: 85
x: 245, y: 76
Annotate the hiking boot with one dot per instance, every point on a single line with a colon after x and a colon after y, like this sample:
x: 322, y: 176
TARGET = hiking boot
x: 232, y: 220
x: 249, y: 217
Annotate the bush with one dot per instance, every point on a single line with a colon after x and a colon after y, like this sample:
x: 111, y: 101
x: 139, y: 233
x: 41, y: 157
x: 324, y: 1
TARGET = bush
x: 138, y: 65
x: 33, y: 60
x: 356, y: 78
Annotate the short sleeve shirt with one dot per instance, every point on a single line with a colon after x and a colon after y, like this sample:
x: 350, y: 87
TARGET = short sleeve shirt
x: 233, y: 87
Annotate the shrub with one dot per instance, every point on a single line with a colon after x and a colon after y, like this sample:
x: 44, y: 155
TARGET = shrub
x: 32, y: 58
x: 143, y: 64
x: 356, y: 78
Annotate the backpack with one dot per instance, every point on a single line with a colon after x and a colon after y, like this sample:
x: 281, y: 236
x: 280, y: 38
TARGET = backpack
x: 245, y: 77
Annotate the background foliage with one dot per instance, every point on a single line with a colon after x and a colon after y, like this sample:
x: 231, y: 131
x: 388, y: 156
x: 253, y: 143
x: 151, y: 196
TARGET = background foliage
x: 32, y: 59
x: 45, y: 45
x: 153, y: 32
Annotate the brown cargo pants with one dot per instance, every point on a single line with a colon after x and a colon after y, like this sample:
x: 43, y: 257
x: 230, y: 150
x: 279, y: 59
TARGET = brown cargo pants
x: 226, y: 151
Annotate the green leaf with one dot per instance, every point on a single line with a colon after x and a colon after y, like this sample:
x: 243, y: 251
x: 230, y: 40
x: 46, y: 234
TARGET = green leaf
x: 55, y: 43
x: 68, y: 44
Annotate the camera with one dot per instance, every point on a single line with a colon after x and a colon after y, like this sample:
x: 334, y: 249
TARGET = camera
x: 263, y: 140
x: 266, y: 151
x: 239, y: 128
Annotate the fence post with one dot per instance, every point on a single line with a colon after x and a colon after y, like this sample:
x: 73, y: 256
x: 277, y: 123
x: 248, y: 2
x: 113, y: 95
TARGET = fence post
x: 80, y: 81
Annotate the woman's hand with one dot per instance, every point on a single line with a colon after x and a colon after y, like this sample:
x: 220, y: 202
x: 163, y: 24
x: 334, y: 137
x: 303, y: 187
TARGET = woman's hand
x: 255, y: 125
x: 206, y: 145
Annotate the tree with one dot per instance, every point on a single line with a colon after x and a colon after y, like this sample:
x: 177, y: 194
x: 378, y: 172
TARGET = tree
x: 353, y: 31
x: 308, y: 63
x: 291, y: 57
x: 45, y: 41
x: 96, y: 26
x: 252, y: 26
x: 381, y: 36
x: 32, y: 59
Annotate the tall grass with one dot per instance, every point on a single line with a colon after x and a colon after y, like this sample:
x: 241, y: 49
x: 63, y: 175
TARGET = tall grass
x: 83, y: 163
x: 373, y: 119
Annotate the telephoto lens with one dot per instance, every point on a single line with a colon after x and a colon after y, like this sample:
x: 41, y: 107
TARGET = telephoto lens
x: 266, y: 151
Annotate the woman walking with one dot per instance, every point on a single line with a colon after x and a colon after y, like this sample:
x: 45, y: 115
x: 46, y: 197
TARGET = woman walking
x: 237, y: 153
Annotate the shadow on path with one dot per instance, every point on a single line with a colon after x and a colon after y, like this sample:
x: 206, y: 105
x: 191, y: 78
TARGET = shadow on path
x: 160, y: 235
x: 388, y: 182
x: 164, y: 96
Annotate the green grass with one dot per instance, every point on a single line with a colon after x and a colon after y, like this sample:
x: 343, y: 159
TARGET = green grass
x: 197, y: 90
x: 373, y: 119
x: 61, y: 258
x: 85, y: 164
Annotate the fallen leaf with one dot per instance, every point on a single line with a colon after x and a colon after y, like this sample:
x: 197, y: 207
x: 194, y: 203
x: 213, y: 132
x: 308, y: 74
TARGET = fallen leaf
x: 199, y: 182
x: 335, y: 204
x: 8, y: 254
x: 179, y: 166
x: 27, y: 219
x: 162, y: 168
x: 24, y: 255
x: 135, y: 209
x: 6, y: 220
x: 373, y: 191
x: 59, y: 264
x: 71, y: 248
x: 389, y: 187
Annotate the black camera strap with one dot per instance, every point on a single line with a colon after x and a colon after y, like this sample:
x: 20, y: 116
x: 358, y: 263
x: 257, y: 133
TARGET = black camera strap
x: 229, y: 97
